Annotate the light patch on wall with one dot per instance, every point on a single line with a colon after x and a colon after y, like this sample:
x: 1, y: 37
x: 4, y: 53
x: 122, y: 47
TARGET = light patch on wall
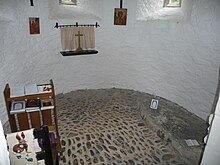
x: 83, y: 10
x: 147, y: 9
x: 175, y: 10
x: 172, y: 3
x: 68, y: 2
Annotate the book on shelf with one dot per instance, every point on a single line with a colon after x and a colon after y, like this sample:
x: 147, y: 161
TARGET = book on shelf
x: 52, y: 136
x: 44, y: 88
x: 30, y: 89
x: 32, y: 105
x: 17, y: 91
x: 17, y: 107
x: 52, y: 128
x: 32, y: 110
x: 47, y: 104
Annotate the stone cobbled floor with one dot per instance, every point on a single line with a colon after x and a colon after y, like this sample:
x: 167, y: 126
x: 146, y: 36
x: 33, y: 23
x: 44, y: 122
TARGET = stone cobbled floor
x: 117, y: 127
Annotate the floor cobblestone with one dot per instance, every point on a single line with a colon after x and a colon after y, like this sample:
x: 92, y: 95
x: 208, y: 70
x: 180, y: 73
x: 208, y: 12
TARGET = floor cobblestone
x: 116, y: 126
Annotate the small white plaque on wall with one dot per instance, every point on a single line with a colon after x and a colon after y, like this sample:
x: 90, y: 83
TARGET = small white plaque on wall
x: 154, y: 104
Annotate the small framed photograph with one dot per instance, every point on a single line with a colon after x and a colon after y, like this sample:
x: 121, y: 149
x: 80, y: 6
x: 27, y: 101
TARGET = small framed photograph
x: 34, y: 24
x: 154, y: 104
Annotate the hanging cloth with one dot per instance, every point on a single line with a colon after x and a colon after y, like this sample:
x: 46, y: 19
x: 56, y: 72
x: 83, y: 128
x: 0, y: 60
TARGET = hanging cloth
x: 69, y: 40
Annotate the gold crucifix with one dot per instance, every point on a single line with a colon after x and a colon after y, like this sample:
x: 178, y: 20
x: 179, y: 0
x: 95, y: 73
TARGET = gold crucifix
x: 79, y: 49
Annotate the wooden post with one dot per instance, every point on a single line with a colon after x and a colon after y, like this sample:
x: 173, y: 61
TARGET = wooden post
x: 121, y: 3
x: 11, y: 118
x: 32, y: 3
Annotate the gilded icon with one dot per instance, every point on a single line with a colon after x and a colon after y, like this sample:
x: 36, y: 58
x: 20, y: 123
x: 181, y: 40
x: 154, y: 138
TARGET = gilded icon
x: 120, y: 16
x: 34, y: 24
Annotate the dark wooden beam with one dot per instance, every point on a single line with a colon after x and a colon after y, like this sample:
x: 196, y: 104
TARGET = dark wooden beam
x: 32, y: 2
x: 121, y: 3
x: 75, y: 53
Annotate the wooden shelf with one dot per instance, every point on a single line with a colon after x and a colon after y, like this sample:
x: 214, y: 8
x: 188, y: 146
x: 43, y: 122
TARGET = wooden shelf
x: 27, y: 120
x: 38, y: 95
x: 76, y: 53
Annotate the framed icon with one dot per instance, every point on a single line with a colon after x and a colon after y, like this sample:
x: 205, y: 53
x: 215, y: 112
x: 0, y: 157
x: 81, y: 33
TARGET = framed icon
x: 120, y: 16
x: 154, y: 104
x: 34, y: 25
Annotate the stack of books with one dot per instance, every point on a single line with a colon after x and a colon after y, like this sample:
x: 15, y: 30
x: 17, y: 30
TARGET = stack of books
x: 31, y: 105
x: 17, y: 107
x: 47, y: 104
x: 31, y: 89
x: 44, y: 88
x: 35, y: 89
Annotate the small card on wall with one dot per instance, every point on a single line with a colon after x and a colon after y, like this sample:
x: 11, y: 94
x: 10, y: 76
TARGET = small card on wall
x: 34, y: 25
x: 120, y: 16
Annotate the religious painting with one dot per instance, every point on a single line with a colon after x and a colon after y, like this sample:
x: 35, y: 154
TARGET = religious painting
x: 120, y: 16
x: 34, y: 24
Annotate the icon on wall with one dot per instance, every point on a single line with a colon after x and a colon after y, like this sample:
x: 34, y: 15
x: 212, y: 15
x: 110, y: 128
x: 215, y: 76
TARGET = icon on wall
x: 34, y: 24
x: 120, y: 16
x: 154, y: 104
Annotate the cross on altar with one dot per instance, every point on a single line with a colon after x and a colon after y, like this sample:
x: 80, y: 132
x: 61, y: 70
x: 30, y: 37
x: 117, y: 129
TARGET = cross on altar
x: 79, y: 49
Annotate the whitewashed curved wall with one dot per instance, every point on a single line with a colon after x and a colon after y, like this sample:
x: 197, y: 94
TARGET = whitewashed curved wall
x: 177, y: 60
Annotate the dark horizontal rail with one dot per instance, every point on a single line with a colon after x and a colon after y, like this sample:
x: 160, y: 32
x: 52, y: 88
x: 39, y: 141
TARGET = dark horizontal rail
x: 76, y: 25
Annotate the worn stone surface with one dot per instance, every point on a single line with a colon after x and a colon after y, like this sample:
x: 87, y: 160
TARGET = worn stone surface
x: 116, y: 126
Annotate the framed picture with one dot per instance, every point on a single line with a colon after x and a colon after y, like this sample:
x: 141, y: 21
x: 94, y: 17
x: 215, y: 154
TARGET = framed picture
x: 120, y: 16
x: 34, y: 25
x: 154, y: 104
